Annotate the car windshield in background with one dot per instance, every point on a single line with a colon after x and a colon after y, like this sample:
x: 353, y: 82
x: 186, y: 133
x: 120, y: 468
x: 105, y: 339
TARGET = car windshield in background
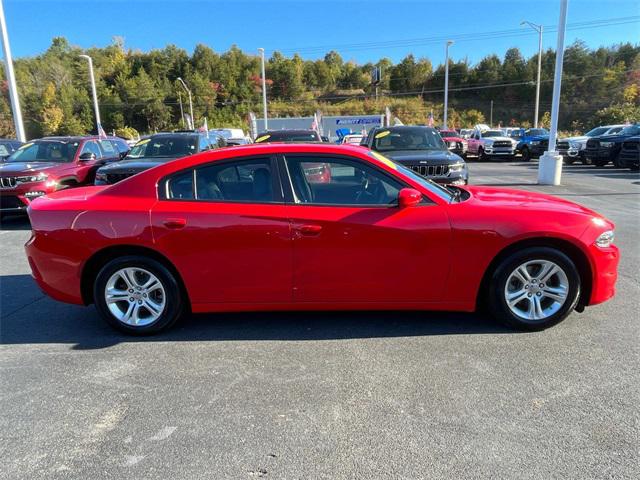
x: 448, y: 133
x: 631, y: 130
x: 538, y: 132
x: 288, y: 137
x: 58, y: 151
x: 596, y: 131
x: 493, y: 133
x: 412, y: 138
x: 165, y: 146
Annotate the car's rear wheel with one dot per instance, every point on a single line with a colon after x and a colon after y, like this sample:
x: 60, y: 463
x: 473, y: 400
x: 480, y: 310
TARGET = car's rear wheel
x: 137, y: 295
x: 534, y: 289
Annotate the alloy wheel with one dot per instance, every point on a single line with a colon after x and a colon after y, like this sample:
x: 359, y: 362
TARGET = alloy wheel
x: 135, y: 296
x: 536, y: 290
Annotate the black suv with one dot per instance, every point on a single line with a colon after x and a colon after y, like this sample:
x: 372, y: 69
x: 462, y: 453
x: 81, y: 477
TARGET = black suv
x: 422, y: 150
x: 293, y: 136
x: 154, y: 150
x: 606, y: 148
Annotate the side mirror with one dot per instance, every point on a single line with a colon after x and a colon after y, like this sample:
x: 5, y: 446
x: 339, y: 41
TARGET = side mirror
x: 124, y: 154
x: 86, y: 156
x: 409, y: 197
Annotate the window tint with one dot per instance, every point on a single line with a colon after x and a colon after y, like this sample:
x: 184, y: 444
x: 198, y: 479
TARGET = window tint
x: 180, y: 186
x: 121, y: 146
x: 92, y: 147
x: 243, y: 181
x: 45, y: 150
x: 328, y: 181
x: 203, y: 143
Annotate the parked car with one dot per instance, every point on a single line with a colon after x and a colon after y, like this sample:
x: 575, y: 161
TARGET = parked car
x: 454, y: 142
x: 487, y: 144
x: 242, y: 229
x: 466, y: 133
x: 42, y: 166
x: 603, y: 149
x: 422, y: 150
x: 532, y: 142
x: 572, y: 149
x: 629, y: 156
x: 352, y: 139
x: 294, y: 136
x: 232, y: 136
x: 7, y: 147
x: 152, y: 151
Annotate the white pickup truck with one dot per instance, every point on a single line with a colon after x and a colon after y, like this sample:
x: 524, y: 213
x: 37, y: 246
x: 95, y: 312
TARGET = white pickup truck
x: 490, y: 143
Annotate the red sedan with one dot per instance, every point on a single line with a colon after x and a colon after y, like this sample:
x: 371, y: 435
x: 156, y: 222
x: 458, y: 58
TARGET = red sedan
x: 248, y: 229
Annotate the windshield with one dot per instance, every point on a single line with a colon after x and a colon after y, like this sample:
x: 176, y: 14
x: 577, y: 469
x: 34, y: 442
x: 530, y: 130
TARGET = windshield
x: 59, y: 151
x: 222, y: 133
x: 492, y: 133
x: 164, y: 146
x: 537, y: 132
x: 411, y: 138
x: 596, y: 131
x: 631, y: 130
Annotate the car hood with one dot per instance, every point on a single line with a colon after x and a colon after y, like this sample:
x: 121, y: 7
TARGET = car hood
x: 582, y: 138
x: 134, y: 165
x: 452, y: 139
x: 17, y: 168
x: 492, y: 197
x: 492, y: 139
x: 426, y: 157
x: 611, y: 138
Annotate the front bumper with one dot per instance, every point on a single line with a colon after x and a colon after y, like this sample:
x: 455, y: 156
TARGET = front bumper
x: 441, y: 173
x: 500, y: 151
x: 18, y: 198
x: 605, y: 273
x: 600, y: 154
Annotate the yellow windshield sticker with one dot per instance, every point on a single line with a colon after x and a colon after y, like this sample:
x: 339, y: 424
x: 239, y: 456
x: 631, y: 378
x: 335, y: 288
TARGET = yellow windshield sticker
x: 384, y: 160
x: 25, y: 145
x: 262, y: 138
x: 383, y: 134
x: 142, y: 142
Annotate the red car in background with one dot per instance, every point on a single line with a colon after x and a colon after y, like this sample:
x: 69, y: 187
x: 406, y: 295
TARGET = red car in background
x: 46, y: 165
x: 246, y: 229
x: 455, y: 143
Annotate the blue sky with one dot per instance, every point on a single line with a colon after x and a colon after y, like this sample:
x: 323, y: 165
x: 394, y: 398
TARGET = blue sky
x: 359, y: 30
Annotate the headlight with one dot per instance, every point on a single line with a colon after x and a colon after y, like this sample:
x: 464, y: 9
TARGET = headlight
x: 458, y: 167
x: 40, y: 177
x: 535, y: 142
x: 605, y: 239
x: 606, y: 144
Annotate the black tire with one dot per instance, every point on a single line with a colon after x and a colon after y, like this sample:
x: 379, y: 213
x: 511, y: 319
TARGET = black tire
x: 498, y: 304
x: 483, y: 157
x: 569, y: 161
x: 174, y: 301
x: 526, y: 154
x: 618, y: 162
x: 600, y: 163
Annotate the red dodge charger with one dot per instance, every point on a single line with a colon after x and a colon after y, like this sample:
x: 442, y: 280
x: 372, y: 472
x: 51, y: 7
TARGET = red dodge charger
x: 249, y: 228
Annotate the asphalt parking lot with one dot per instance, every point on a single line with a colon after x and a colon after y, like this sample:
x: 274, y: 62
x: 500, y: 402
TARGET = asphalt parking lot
x: 328, y: 395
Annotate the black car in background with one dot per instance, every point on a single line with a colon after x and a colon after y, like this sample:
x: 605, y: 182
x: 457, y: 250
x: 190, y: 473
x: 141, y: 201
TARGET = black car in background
x: 294, y: 136
x: 154, y: 150
x: 629, y: 156
x: 422, y: 150
x: 7, y: 147
x: 606, y: 148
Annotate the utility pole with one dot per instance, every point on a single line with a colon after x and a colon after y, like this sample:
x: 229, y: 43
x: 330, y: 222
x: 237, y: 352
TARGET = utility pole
x: 550, y: 165
x: 264, y: 89
x: 11, y: 79
x: 181, y: 110
x: 94, y: 93
x: 184, y: 85
x: 491, y: 115
x: 446, y: 82
x: 539, y: 29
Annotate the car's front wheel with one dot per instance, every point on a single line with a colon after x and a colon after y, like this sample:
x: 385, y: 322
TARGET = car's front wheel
x: 534, y: 289
x: 482, y: 156
x: 137, y: 295
x: 526, y: 154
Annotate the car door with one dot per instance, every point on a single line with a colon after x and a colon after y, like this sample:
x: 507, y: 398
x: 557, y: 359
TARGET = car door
x: 353, y: 244
x: 224, y: 226
x: 472, y: 144
x: 85, y: 169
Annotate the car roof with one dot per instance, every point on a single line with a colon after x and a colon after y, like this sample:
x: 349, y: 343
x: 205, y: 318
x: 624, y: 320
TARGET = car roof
x: 287, y: 130
x: 72, y: 138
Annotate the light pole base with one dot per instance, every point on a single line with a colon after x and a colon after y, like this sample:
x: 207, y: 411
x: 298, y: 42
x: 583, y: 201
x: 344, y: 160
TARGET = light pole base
x: 550, y: 169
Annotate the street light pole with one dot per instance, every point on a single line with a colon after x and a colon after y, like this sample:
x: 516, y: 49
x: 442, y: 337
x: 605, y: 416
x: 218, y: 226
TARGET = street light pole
x: 446, y: 83
x: 550, y: 165
x: 539, y: 29
x: 264, y: 89
x: 11, y: 79
x: 184, y: 85
x: 181, y: 109
x: 93, y: 92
